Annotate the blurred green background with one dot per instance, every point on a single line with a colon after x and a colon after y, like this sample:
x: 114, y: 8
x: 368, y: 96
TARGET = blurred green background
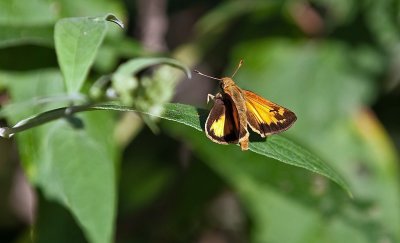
x: 336, y: 64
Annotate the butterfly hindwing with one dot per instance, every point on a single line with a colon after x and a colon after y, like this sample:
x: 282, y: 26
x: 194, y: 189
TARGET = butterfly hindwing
x: 265, y: 117
x: 222, y: 125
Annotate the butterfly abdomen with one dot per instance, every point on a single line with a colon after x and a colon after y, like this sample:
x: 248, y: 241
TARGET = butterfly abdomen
x: 234, y: 93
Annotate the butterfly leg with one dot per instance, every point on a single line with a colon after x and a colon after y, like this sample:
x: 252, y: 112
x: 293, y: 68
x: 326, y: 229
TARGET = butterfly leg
x: 244, y: 141
x: 210, y: 97
x: 244, y: 145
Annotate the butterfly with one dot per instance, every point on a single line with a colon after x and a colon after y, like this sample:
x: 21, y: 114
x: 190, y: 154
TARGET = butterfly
x: 235, y: 109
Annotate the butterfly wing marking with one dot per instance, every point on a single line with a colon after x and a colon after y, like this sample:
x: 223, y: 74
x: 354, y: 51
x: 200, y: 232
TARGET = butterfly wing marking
x: 222, y: 125
x: 265, y: 117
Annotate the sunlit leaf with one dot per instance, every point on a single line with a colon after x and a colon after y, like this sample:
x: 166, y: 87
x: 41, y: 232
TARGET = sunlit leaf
x: 77, y: 41
x: 276, y: 147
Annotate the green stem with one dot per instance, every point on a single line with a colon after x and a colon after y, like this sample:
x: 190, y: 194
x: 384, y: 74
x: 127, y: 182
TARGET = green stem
x: 48, y: 116
x: 42, y: 118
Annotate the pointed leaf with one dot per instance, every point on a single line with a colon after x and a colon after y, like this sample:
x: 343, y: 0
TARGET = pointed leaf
x: 276, y: 146
x: 77, y: 41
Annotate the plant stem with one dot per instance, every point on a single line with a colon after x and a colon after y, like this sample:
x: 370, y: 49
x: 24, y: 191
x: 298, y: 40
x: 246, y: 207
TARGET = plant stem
x: 42, y: 118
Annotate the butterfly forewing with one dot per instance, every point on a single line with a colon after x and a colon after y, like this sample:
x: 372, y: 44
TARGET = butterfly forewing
x: 265, y: 117
x: 222, y: 125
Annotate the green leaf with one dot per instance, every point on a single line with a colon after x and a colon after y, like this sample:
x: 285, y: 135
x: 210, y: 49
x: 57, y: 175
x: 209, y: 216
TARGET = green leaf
x: 77, y: 41
x: 115, y: 20
x: 70, y: 160
x: 284, y: 150
x: 79, y: 173
x: 276, y: 146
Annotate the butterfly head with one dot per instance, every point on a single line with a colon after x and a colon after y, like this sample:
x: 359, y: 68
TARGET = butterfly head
x: 226, y: 82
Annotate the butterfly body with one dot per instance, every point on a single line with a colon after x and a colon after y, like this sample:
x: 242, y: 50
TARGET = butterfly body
x: 233, y: 92
x: 235, y: 109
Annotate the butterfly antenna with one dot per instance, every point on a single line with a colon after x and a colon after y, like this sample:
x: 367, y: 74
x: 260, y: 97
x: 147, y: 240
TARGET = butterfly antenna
x: 205, y: 75
x: 239, y: 65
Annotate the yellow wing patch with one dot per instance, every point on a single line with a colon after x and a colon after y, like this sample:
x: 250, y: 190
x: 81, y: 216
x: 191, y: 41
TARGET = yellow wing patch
x: 218, y: 126
x: 263, y: 113
x: 222, y: 124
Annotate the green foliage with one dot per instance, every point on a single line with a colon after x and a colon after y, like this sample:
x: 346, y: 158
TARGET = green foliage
x: 79, y: 124
x: 70, y: 180
x: 276, y: 147
x: 77, y: 41
x: 125, y: 83
x: 75, y: 180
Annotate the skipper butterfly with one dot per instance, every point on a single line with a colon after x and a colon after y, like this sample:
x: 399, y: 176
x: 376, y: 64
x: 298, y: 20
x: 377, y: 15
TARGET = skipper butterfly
x: 235, y: 108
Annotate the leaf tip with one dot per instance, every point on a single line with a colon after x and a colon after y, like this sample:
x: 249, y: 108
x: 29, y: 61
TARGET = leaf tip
x: 5, y: 132
x: 115, y: 20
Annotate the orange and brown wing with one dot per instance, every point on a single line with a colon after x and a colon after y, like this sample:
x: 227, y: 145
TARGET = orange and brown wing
x: 222, y: 125
x: 265, y: 117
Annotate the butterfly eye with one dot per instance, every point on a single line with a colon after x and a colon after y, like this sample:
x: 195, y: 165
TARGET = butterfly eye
x: 221, y: 85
